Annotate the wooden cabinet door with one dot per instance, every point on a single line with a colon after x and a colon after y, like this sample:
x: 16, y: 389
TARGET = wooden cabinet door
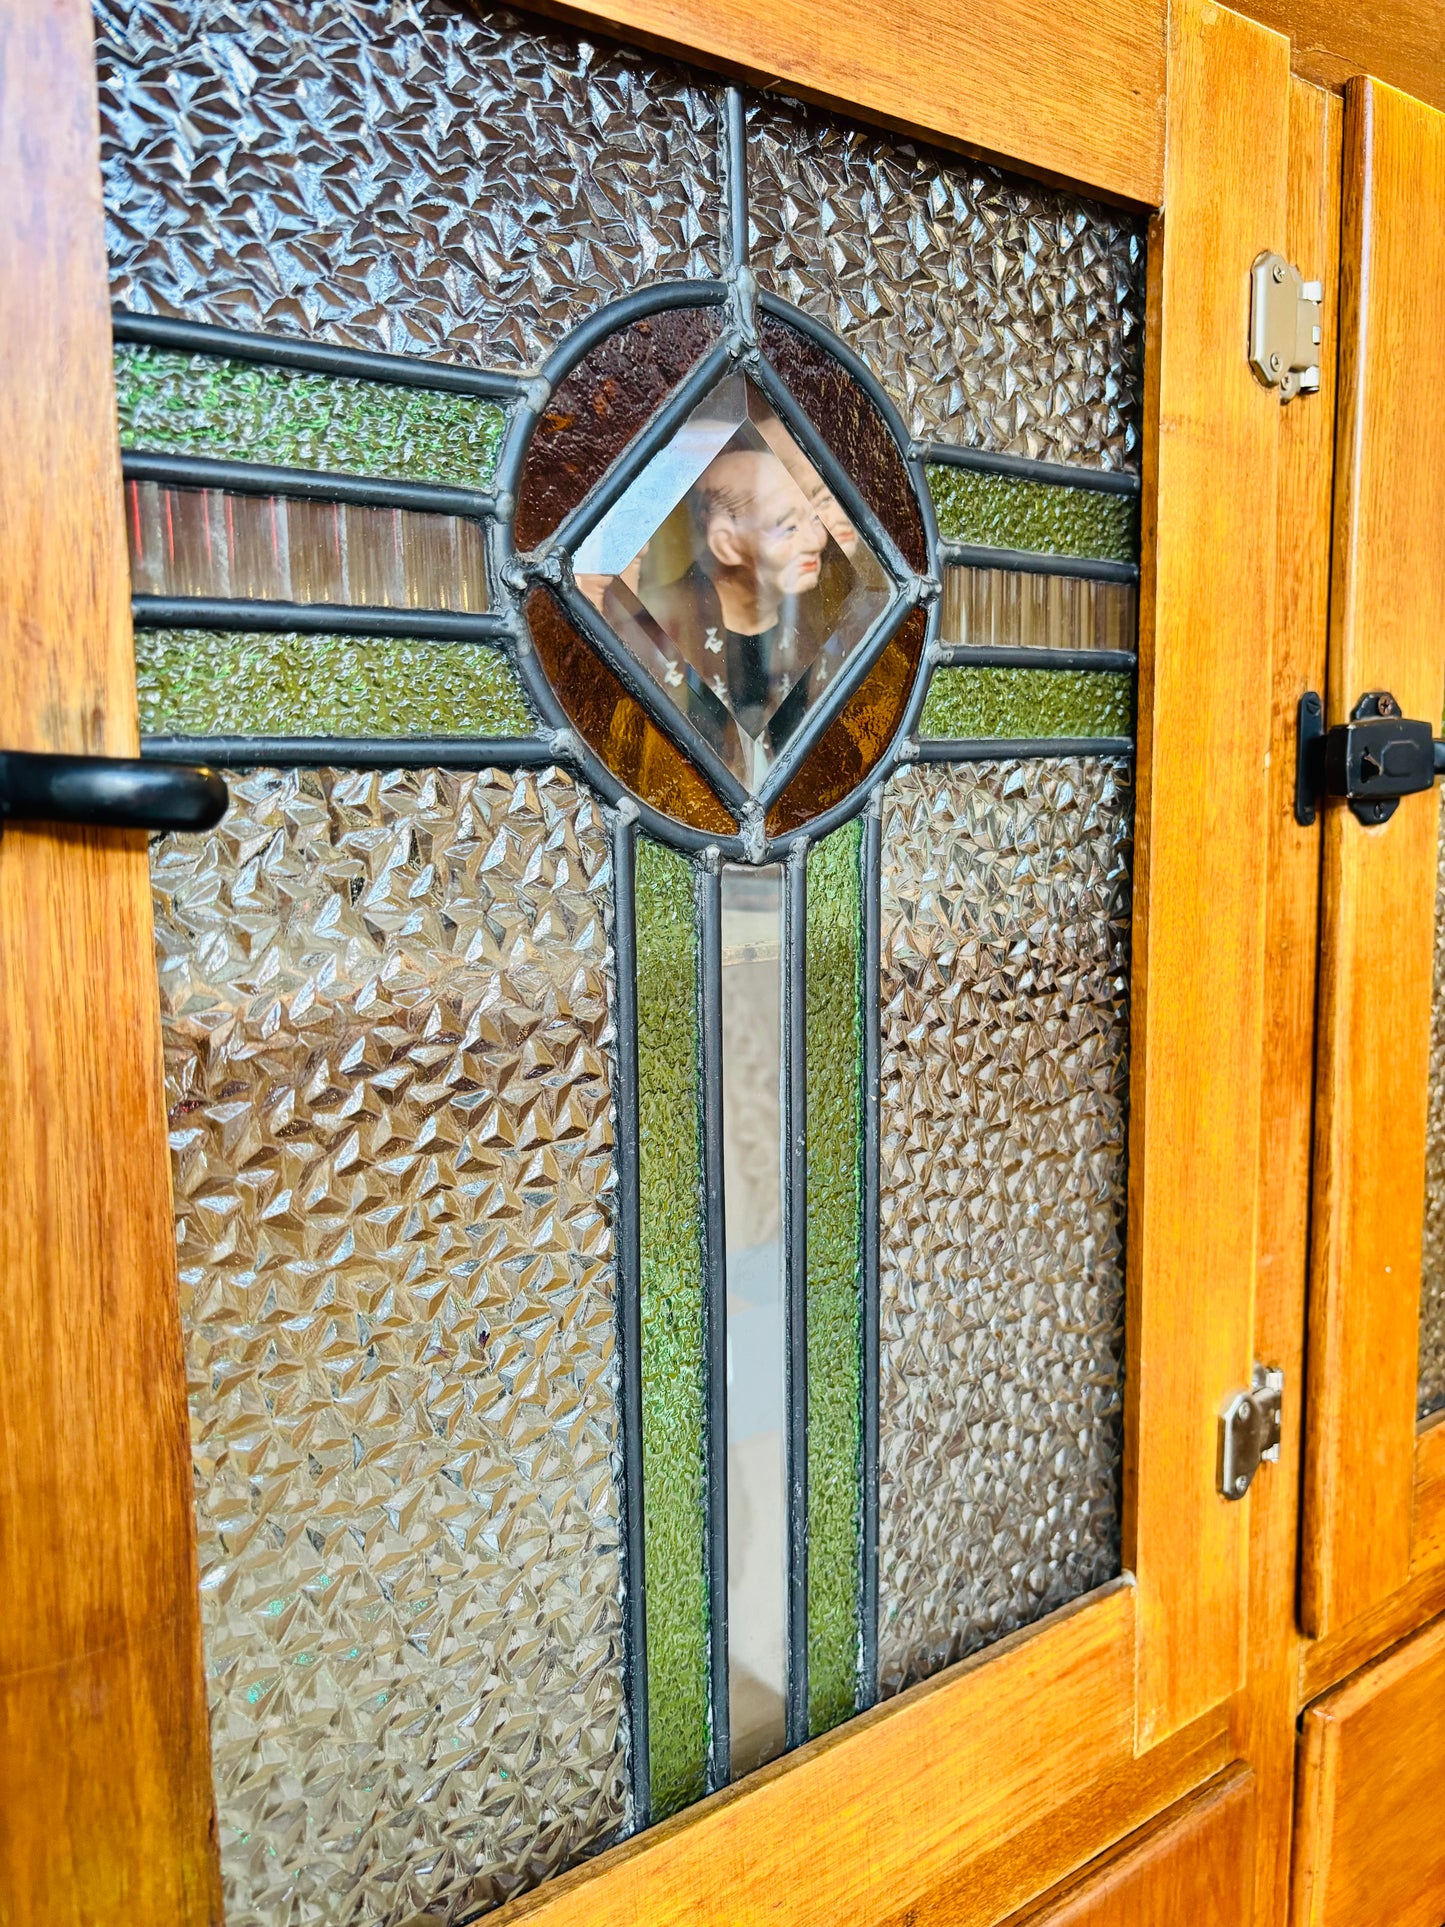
x: 1002, y: 1773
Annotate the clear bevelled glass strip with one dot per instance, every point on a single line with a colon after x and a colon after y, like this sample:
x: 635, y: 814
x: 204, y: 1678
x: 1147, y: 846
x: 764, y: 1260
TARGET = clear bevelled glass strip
x: 835, y: 1123
x: 673, y: 1388
x: 1004, y: 997
x: 1008, y: 609
x: 1009, y: 512
x: 386, y: 1010
x: 244, y: 411
x: 270, y: 548
x: 988, y: 702
x: 206, y: 682
x: 1431, y: 1390
x: 419, y: 179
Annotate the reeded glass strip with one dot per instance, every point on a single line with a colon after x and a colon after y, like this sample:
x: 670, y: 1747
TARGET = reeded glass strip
x: 1007, y: 609
x: 673, y: 1393
x: 974, y: 702
x: 1431, y: 1390
x: 835, y: 1091
x: 245, y: 411
x: 272, y: 548
x: 203, y: 682
x: 1046, y: 518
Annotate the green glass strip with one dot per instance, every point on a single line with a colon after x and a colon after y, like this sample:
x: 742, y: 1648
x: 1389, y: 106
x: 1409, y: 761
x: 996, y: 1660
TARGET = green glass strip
x: 180, y: 404
x: 202, y: 682
x: 1005, y: 512
x: 669, y: 1177
x: 1029, y: 702
x: 835, y: 1093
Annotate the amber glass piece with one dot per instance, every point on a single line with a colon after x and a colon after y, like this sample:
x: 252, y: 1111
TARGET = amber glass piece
x: 857, y: 738
x: 616, y: 725
x: 611, y: 393
x: 853, y: 428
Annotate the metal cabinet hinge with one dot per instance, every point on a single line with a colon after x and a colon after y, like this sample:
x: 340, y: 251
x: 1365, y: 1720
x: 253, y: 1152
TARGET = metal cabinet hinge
x: 1284, y: 327
x: 1249, y: 1431
x: 1370, y: 762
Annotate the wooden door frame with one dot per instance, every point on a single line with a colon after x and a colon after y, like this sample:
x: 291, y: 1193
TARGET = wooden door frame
x: 1132, y: 1687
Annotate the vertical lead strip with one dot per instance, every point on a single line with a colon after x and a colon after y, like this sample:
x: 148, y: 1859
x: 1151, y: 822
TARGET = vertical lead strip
x: 795, y: 1272
x: 736, y: 164
x: 714, y: 1311
x: 872, y: 861
x: 629, y: 1320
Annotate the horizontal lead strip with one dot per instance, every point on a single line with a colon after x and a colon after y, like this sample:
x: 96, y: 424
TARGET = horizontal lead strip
x: 998, y: 749
x: 974, y: 555
x: 1023, y: 468
x: 353, y: 752
x: 323, y: 357
x: 312, y: 619
x: 966, y: 655
x: 307, y: 484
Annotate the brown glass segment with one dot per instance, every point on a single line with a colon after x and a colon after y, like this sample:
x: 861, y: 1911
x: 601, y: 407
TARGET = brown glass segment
x: 855, y: 741
x: 615, y: 724
x: 854, y: 430
x: 611, y: 394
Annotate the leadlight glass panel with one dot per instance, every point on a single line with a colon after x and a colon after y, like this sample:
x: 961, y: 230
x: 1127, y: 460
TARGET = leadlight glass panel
x: 1432, y: 1270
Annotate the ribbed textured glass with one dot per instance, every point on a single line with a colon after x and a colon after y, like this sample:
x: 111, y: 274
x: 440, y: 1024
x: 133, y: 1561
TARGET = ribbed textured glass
x: 673, y: 1393
x: 210, y: 682
x: 1006, y: 512
x: 386, y: 1012
x: 245, y: 411
x: 835, y: 1123
x: 1005, y: 919
x: 405, y: 175
x: 1432, y: 1266
x: 1006, y: 609
x: 204, y: 542
x: 987, y: 702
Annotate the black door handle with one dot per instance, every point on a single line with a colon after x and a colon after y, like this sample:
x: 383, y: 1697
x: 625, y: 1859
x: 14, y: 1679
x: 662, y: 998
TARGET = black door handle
x: 1370, y: 762
x: 116, y: 792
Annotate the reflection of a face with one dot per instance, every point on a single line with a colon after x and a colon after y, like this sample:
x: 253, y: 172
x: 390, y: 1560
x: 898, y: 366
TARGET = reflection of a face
x: 826, y: 508
x: 764, y: 539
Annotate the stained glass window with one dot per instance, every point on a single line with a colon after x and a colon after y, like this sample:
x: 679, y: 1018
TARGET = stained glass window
x: 647, y: 1048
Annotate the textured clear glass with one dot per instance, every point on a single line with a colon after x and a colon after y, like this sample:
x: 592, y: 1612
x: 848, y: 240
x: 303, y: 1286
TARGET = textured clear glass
x: 204, y: 542
x: 1001, y: 608
x: 213, y: 682
x: 673, y: 1390
x: 733, y: 578
x: 405, y: 175
x: 835, y: 1129
x: 244, y: 411
x: 1005, y: 923
x: 385, y: 1002
x: 1006, y: 512
x: 1432, y: 1265
x: 999, y: 314
x: 752, y: 1074
x: 988, y: 702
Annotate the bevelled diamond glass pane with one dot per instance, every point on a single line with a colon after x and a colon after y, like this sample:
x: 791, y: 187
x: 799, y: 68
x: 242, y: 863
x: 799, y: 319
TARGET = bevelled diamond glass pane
x: 1005, y: 919
x: 732, y: 576
x: 386, y: 1010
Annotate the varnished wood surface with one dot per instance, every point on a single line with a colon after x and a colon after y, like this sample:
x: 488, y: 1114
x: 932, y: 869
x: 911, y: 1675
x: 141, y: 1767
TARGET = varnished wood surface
x: 1211, y: 437
x: 888, y: 1808
x: 1190, y: 1867
x: 1264, y: 1716
x: 1427, y: 1540
x: 1387, y: 632
x: 104, y: 1776
x: 1370, y: 1848
x: 1401, y: 42
x: 1085, y: 105
x: 1323, y: 1663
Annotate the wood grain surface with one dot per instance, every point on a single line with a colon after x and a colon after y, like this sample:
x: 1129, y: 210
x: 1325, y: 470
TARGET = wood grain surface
x: 105, y: 1805
x: 1370, y: 1849
x: 1207, y: 611
x: 1387, y: 632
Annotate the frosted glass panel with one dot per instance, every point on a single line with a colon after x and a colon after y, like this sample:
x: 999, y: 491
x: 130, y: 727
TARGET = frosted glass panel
x: 386, y: 1007
x: 1005, y: 906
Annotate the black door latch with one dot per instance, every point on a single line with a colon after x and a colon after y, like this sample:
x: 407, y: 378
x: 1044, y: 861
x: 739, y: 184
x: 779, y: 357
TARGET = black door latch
x: 115, y: 792
x: 1370, y: 762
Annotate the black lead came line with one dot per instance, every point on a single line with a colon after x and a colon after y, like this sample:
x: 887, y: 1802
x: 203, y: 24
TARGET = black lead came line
x: 978, y: 555
x: 355, y: 752
x: 303, y: 484
x: 1024, y: 468
x: 871, y: 861
x: 314, y: 619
